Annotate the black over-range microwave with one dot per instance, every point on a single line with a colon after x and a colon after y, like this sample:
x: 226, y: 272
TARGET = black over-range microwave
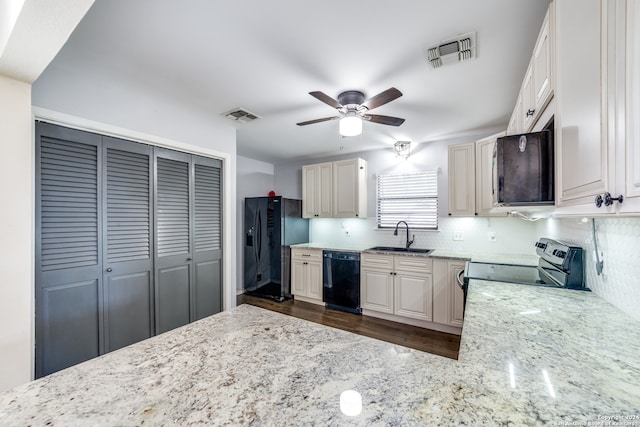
x: 523, y: 170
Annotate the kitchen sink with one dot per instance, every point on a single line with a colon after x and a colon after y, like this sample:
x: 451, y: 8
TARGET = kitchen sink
x: 401, y: 250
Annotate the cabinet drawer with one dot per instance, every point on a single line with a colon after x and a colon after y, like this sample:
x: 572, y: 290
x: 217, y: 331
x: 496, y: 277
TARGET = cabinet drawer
x: 413, y: 263
x: 307, y: 254
x: 377, y: 261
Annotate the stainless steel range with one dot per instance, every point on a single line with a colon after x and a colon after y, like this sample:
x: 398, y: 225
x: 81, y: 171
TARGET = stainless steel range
x: 560, y: 265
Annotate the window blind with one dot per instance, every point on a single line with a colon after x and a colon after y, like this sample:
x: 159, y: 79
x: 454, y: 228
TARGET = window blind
x: 408, y: 197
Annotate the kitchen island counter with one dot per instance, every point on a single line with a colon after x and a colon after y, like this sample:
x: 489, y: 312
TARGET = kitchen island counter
x: 529, y: 356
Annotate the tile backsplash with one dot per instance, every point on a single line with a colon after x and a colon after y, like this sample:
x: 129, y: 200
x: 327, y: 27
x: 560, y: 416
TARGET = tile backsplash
x: 619, y: 243
x: 492, y: 235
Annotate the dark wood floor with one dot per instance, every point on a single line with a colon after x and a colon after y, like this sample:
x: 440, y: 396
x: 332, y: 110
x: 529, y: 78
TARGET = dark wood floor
x: 434, y: 342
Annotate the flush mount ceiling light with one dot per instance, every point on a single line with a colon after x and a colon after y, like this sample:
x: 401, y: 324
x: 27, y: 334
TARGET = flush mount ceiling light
x: 402, y: 149
x: 350, y: 125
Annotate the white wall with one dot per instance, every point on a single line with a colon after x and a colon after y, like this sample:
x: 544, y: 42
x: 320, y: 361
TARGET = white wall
x: 619, y: 240
x: 32, y: 33
x: 254, y: 178
x: 16, y: 231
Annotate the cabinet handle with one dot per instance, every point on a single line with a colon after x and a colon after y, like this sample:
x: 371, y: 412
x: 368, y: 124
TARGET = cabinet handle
x: 530, y: 112
x: 306, y: 254
x: 109, y: 270
x: 599, y: 201
x: 189, y: 259
x: 608, y: 200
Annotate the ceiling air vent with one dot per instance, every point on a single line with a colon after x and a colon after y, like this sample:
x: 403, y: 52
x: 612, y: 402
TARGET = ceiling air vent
x: 240, y: 115
x: 461, y: 48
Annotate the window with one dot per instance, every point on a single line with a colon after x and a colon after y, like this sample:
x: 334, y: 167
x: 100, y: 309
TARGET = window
x: 409, y: 197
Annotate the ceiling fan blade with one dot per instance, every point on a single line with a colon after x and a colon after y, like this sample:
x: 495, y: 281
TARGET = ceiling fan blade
x: 324, y: 119
x: 382, y: 98
x: 326, y: 99
x: 383, y: 120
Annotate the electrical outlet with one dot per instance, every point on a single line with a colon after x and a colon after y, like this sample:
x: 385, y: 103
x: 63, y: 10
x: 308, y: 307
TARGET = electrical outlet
x: 492, y: 236
x: 457, y: 235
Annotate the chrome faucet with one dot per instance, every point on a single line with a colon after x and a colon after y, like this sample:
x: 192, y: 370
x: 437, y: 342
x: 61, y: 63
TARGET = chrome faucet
x: 395, y: 233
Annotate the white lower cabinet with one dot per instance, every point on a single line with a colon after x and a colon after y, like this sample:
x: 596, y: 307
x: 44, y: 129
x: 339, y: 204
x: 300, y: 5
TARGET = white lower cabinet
x: 306, y: 275
x: 376, y: 290
x: 397, y: 284
x: 448, y: 298
x: 416, y: 290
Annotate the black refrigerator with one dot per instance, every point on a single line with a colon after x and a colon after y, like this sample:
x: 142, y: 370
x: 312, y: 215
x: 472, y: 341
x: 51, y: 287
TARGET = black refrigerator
x: 271, y: 226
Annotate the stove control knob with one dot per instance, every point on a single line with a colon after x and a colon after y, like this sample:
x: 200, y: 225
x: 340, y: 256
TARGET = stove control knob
x: 559, y: 253
x: 541, y: 245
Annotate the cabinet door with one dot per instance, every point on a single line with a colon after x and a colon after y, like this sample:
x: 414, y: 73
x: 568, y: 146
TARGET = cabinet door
x: 349, y: 190
x: 542, y: 65
x: 128, y: 243
x: 314, y: 279
x: 584, y: 168
x: 462, y: 193
x: 324, y: 190
x: 414, y: 295
x: 632, y: 153
x: 376, y: 288
x: 528, y: 100
x: 298, y: 279
x: 484, y: 175
x: 309, y: 191
x: 514, y: 123
x: 455, y: 294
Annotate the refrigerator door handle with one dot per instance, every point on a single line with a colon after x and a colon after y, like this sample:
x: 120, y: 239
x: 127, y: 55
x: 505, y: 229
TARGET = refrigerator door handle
x: 259, y: 236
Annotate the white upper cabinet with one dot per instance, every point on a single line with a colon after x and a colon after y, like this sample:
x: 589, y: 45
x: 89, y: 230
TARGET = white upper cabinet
x: 317, y: 190
x: 350, y: 188
x: 335, y: 189
x: 538, y: 82
x: 515, y: 123
x: 484, y: 175
x: 462, y: 180
x: 471, y: 178
x: 581, y: 115
x: 528, y: 106
x: 542, y: 62
x: 597, y: 107
x: 632, y: 143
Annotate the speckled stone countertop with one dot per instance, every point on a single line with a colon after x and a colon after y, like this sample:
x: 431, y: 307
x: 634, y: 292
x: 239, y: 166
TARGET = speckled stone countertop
x: 529, y: 356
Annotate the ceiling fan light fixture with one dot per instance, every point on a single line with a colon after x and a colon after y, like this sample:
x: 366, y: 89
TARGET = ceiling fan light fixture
x: 350, y: 125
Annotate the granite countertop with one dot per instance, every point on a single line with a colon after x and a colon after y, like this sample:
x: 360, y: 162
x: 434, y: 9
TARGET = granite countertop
x: 529, y: 356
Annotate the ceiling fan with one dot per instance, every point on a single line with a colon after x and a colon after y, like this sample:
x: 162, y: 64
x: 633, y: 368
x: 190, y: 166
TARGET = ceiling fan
x: 353, y: 109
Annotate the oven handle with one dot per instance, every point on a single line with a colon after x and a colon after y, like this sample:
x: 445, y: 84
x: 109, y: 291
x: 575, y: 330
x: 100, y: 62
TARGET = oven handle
x: 459, y: 279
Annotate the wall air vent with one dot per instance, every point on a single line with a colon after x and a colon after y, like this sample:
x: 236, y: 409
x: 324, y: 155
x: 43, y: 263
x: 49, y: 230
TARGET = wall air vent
x: 240, y: 115
x: 461, y: 48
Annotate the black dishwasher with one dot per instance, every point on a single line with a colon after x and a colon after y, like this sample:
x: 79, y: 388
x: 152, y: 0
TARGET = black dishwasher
x: 341, y: 280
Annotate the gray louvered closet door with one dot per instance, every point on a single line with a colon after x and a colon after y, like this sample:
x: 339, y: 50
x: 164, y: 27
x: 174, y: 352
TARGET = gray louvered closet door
x: 207, y: 237
x: 68, y: 248
x: 173, y: 261
x: 128, y: 243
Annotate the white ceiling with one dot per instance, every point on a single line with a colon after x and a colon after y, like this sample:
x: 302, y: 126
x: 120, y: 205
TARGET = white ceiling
x: 265, y: 56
